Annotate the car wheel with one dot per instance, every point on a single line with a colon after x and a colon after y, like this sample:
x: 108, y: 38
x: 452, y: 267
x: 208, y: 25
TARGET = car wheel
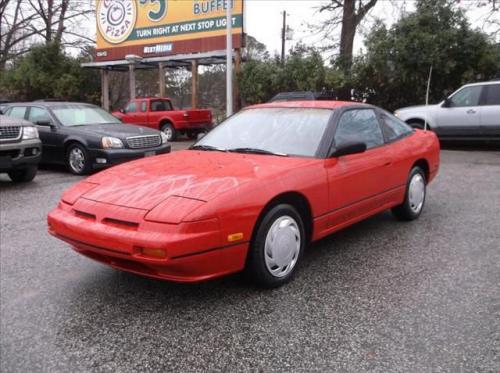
x: 78, y: 160
x: 169, y: 131
x: 24, y: 175
x: 414, y: 201
x: 419, y: 125
x: 277, y: 247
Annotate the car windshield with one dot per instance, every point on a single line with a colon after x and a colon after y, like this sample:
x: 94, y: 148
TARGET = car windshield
x: 280, y: 131
x: 78, y: 115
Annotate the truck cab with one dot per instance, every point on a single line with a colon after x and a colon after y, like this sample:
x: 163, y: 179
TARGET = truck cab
x: 160, y: 114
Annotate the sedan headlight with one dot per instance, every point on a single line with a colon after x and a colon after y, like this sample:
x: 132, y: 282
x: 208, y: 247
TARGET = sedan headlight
x: 30, y: 132
x: 164, y: 138
x: 111, y: 142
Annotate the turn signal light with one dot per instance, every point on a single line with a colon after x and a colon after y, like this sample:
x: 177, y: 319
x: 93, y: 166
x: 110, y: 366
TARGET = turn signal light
x: 155, y: 253
x: 235, y: 237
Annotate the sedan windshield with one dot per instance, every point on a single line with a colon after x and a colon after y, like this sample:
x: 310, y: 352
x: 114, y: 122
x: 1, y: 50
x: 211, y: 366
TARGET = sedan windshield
x: 278, y: 131
x: 79, y: 115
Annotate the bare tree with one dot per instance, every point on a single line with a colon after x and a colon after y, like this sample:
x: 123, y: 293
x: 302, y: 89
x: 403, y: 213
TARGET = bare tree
x: 24, y: 22
x: 348, y: 15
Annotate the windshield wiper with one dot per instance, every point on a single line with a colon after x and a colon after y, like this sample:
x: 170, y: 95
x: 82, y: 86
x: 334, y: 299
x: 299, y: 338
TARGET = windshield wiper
x: 256, y: 151
x: 207, y: 147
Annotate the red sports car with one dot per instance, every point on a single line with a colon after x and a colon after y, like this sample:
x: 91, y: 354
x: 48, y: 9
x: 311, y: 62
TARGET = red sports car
x: 251, y: 194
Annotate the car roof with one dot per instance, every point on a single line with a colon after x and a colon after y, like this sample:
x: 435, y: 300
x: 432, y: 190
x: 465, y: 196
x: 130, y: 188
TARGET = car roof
x: 48, y: 103
x: 308, y: 104
x: 482, y: 83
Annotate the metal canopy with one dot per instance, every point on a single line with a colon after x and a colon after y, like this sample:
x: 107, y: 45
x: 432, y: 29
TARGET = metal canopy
x: 177, y: 61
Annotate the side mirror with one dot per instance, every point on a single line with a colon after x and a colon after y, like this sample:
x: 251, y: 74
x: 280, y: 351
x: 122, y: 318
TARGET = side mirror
x: 122, y: 111
x: 446, y: 103
x: 349, y: 148
x: 44, y: 123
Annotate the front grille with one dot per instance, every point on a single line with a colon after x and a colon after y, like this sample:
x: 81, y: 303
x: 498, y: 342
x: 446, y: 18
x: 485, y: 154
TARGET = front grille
x: 10, y: 132
x: 140, y: 142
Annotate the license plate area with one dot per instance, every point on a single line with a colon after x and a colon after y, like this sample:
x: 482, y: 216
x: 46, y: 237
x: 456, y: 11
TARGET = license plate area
x: 149, y: 154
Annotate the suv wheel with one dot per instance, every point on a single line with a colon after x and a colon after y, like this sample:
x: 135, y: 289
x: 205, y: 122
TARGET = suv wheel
x: 78, y: 160
x: 23, y: 175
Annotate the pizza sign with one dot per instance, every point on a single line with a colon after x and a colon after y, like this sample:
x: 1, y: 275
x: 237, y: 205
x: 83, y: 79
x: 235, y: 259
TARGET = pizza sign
x: 116, y: 19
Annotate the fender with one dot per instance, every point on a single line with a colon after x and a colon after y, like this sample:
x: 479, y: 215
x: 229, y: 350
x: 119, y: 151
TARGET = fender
x: 165, y: 119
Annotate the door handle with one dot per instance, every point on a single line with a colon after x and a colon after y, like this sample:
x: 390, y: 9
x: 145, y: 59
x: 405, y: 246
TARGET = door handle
x: 471, y: 111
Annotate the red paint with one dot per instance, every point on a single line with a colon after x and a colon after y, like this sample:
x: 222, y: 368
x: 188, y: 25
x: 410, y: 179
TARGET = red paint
x: 181, y: 119
x: 187, y: 203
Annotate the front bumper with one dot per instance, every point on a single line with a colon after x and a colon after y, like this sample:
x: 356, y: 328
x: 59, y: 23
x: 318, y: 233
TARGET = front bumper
x: 19, y: 155
x: 116, y: 156
x: 117, y: 236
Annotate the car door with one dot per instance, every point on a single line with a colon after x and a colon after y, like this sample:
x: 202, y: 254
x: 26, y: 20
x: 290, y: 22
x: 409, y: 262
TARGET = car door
x: 460, y: 115
x: 490, y: 111
x: 131, y: 113
x: 51, y: 135
x: 358, y: 183
x: 141, y: 116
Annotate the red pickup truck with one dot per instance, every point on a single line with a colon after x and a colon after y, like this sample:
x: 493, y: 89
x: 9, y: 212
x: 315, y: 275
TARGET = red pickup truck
x: 159, y: 113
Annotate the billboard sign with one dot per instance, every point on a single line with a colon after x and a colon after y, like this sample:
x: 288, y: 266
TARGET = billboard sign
x: 153, y: 28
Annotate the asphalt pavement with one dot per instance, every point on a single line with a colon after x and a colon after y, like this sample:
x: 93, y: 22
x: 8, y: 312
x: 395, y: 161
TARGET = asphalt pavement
x: 381, y: 296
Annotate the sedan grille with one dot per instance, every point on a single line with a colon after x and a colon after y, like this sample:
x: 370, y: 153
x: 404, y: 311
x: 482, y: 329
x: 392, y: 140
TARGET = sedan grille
x: 10, y: 132
x: 140, y: 142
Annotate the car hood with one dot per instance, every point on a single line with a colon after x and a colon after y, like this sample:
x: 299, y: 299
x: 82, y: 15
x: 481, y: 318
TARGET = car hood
x: 116, y: 130
x: 201, y: 175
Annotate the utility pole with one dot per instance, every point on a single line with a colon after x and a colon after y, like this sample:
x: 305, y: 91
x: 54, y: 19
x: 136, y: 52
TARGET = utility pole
x: 229, y: 58
x: 283, y: 37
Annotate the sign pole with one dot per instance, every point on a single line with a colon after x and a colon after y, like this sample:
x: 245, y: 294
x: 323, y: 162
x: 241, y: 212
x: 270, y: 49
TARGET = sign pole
x: 229, y: 58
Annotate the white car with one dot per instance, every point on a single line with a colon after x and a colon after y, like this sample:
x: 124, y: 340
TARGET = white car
x: 470, y: 113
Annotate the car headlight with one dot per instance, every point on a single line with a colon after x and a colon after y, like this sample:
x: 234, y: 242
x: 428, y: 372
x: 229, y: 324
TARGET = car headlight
x: 164, y: 138
x: 30, y: 132
x: 111, y: 142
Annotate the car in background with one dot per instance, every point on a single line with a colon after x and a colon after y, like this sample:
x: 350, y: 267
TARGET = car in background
x: 304, y: 96
x: 20, y: 149
x: 85, y: 137
x: 159, y: 113
x: 252, y: 193
x: 470, y: 113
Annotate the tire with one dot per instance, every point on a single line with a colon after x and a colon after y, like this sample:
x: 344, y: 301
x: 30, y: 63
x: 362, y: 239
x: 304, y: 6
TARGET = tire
x: 77, y: 159
x: 170, y: 131
x: 415, y: 194
x: 271, y: 265
x: 23, y: 175
x: 419, y: 125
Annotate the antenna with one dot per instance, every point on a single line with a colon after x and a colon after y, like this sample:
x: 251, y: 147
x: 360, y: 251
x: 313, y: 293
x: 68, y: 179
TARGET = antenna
x: 427, y: 96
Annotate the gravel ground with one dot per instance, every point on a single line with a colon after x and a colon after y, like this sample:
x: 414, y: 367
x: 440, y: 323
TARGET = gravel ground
x: 381, y: 296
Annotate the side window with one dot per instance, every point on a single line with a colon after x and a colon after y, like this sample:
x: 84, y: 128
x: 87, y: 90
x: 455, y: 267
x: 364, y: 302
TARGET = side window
x: 468, y: 96
x: 492, y: 94
x: 160, y: 106
x: 37, y: 114
x: 359, y: 126
x: 393, y: 128
x: 17, y: 112
x: 144, y: 106
x: 131, y: 107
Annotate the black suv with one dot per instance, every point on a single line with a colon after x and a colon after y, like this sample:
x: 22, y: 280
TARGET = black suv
x: 86, y: 137
x: 20, y: 149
